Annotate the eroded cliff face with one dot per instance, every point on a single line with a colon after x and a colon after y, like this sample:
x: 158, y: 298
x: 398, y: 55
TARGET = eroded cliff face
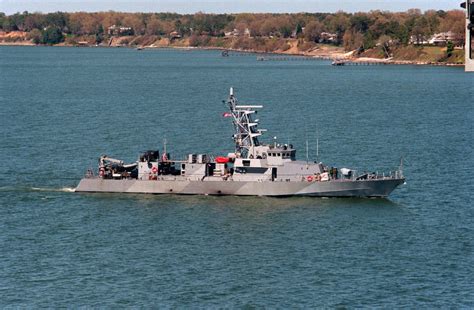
x: 398, y: 54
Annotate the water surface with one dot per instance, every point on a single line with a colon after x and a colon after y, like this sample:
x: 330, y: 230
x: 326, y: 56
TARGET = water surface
x: 63, y: 107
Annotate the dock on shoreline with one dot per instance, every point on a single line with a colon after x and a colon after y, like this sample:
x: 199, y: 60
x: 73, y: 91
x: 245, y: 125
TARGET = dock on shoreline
x: 269, y: 56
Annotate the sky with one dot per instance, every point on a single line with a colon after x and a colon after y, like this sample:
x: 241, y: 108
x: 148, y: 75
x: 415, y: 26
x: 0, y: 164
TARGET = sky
x: 223, y: 6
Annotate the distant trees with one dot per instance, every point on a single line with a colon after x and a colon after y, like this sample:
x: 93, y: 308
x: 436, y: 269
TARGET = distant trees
x: 338, y: 24
x: 353, y: 41
x: 454, y: 21
x: 209, y: 24
x: 353, y: 31
x: 52, y: 35
x: 136, y: 22
x: 450, y: 49
x: 99, y: 35
x: 384, y: 42
x: 285, y: 25
x: 36, y: 36
x: 313, y: 30
x: 154, y: 26
x: 58, y: 19
x: 269, y: 27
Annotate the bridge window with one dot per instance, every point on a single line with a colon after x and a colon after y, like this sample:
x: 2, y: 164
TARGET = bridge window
x: 246, y: 163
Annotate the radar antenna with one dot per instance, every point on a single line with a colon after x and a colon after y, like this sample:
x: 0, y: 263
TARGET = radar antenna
x: 245, y: 126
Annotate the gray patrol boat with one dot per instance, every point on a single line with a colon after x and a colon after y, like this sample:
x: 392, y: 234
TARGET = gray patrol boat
x: 253, y: 169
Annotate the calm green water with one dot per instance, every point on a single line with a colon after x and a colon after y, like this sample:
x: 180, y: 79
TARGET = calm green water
x: 63, y: 107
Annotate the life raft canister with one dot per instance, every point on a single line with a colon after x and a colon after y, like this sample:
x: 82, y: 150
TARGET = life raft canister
x: 154, y: 169
x: 101, y: 172
x: 310, y: 178
x: 222, y: 160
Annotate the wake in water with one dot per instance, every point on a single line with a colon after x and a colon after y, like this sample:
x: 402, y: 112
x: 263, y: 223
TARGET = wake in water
x: 36, y: 189
x: 62, y: 189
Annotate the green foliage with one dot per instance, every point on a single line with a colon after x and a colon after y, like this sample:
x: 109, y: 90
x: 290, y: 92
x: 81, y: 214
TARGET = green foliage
x: 3, y: 18
x: 299, y: 29
x: 285, y: 31
x: 52, y: 36
x: 57, y: 19
x: 181, y: 29
x: 99, y: 35
x: 360, y: 22
x: 99, y: 38
x: 9, y: 24
x: 209, y: 24
x: 450, y: 49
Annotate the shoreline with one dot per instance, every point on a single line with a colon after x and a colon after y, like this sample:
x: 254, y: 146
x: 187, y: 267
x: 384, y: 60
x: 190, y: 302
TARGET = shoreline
x: 334, y: 56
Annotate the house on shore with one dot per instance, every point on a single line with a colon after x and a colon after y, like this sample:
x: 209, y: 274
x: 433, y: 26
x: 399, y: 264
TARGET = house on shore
x: 174, y: 35
x: 327, y: 37
x: 119, y: 31
x: 237, y: 33
x: 442, y: 38
x: 438, y: 39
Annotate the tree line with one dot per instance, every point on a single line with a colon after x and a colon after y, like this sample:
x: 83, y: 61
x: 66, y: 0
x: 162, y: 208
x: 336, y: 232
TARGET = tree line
x: 352, y: 30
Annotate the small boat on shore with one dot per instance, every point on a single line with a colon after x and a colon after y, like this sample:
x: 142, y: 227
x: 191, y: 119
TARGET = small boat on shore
x: 338, y: 63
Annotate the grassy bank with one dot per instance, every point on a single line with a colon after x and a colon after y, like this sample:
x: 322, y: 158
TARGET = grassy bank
x: 419, y: 54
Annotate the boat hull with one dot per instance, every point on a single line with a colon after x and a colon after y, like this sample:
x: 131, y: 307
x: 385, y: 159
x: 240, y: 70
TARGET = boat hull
x: 337, y: 188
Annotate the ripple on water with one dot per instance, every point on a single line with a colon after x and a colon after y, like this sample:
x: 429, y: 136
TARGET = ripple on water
x: 61, y: 249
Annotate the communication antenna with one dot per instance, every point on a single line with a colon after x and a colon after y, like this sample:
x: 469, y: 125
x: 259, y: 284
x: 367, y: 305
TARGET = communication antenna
x: 307, y: 146
x: 164, y: 145
x: 317, y: 143
x: 307, y: 152
x: 401, y: 166
x: 317, y: 149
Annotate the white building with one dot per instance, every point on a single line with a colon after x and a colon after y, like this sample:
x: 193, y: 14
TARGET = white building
x: 441, y: 38
x: 237, y: 33
x: 115, y: 30
x: 327, y: 37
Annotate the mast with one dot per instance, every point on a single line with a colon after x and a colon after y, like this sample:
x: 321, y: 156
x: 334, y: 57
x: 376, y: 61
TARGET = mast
x: 400, y: 169
x: 317, y: 149
x: 307, y: 152
x: 245, y: 126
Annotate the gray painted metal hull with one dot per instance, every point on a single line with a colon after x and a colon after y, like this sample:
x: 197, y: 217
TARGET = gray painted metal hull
x: 336, y: 188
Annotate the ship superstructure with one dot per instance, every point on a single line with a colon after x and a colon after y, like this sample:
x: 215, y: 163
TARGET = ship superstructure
x: 253, y: 168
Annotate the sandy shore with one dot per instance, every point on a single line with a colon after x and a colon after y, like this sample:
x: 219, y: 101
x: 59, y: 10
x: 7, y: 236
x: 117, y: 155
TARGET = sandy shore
x: 321, y: 52
x: 22, y: 43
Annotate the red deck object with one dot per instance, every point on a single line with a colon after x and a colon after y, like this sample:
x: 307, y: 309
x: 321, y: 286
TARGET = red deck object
x: 222, y: 160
